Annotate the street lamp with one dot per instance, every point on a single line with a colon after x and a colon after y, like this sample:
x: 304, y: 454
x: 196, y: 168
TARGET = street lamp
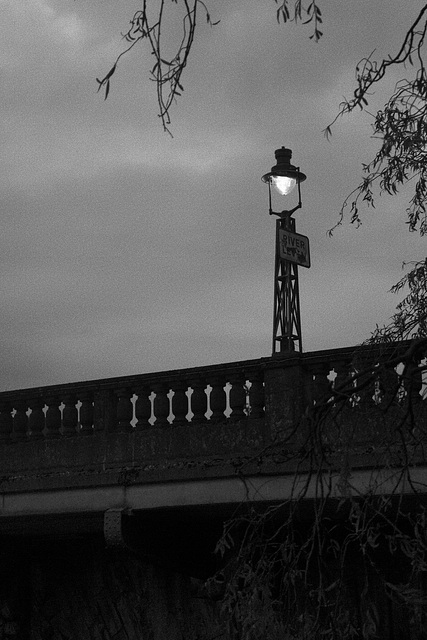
x: 292, y: 250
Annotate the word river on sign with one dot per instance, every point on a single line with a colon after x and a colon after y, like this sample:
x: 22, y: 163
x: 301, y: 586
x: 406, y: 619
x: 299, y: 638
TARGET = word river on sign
x: 294, y: 247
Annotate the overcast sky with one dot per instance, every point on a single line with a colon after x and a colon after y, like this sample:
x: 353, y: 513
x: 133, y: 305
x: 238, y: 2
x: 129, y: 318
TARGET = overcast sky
x: 125, y: 251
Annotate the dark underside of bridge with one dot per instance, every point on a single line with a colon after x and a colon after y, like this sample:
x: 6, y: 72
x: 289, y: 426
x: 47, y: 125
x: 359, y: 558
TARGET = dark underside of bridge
x: 61, y: 580
x: 180, y: 539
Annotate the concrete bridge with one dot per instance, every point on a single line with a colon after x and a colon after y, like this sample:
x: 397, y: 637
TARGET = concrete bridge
x: 97, y: 474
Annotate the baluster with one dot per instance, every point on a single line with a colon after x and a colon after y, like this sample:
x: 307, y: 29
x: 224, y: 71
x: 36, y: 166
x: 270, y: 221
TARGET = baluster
x: 36, y: 420
x: 342, y: 383
x: 6, y: 421
x: 414, y: 382
x: 86, y: 412
x: 218, y: 399
x: 69, y: 415
x: 20, y: 420
x: 53, y: 418
x: 367, y: 395
x: 199, y: 400
x: 256, y: 397
x: 364, y: 367
x: 124, y: 409
x: 321, y: 384
x: 161, y: 405
x: 180, y: 404
x: 143, y: 407
x: 237, y: 396
x: 342, y: 370
x: 387, y: 386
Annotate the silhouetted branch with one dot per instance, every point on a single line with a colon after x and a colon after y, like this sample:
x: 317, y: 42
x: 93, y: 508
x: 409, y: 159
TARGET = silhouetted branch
x: 401, y: 126
x: 166, y: 71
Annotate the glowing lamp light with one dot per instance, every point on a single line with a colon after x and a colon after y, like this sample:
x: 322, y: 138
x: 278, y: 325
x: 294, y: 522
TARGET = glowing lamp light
x: 283, y: 184
x: 284, y: 176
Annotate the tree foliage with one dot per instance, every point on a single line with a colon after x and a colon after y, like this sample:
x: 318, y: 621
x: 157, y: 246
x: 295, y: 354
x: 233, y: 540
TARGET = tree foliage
x: 167, y: 68
x: 400, y: 126
x: 410, y: 319
x: 148, y: 25
x: 401, y: 161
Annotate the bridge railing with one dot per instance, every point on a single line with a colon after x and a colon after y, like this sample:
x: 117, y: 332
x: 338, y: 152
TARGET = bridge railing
x: 375, y: 371
x: 275, y: 390
x: 166, y: 399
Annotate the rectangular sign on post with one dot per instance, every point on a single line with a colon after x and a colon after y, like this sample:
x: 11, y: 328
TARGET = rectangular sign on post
x: 294, y: 247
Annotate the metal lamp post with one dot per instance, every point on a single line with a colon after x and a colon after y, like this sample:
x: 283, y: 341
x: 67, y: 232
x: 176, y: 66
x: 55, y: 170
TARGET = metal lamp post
x: 292, y: 250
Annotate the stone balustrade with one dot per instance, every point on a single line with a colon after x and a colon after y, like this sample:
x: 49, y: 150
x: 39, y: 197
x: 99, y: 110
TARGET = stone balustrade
x: 160, y: 400
x: 202, y: 418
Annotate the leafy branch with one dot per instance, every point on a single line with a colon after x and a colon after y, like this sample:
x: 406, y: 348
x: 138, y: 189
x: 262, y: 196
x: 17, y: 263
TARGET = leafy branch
x: 299, y: 13
x: 165, y: 72
x: 410, y: 320
x: 401, y: 127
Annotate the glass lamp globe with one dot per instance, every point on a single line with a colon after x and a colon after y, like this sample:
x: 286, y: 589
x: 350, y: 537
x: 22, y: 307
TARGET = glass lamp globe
x: 283, y: 184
